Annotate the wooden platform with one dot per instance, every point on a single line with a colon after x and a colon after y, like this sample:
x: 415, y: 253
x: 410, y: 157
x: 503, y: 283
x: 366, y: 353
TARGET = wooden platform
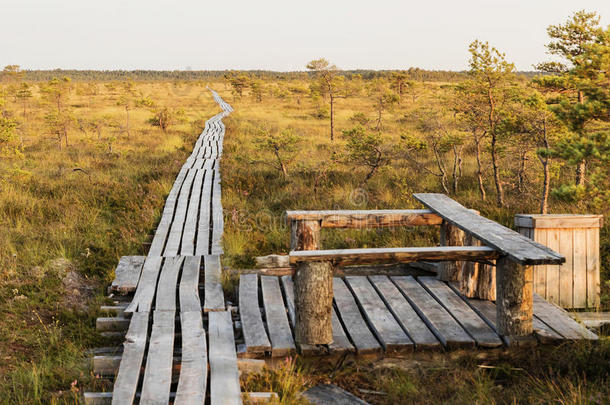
x: 381, y: 315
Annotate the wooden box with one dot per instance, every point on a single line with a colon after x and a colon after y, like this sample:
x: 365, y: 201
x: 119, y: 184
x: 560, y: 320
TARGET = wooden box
x: 576, y: 283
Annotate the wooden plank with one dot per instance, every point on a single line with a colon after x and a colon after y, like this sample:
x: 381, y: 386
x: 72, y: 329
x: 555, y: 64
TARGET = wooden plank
x: 282, y: 342
x: 404, y: 313
x: 566, y: 271
x: 348, y: 257
x: 126, y: 383
x: 366, y: 218
x: 517, y: 247
x: 142, y: 300
x: 355, y: 326
x: 204, y: 226
x: 488, y: 312
x: 579, y: 265
x: 213, y: 294
x: 189, y: 284
x: 127, y: 274
x: 552, y: 271
x: 559, y: 221
x: 217, y: 215
x: 439, y: 321
x: 194, y: 367
x: 593, y: 265
x: 540, y: 271
x: 168, y: 281
x: 380, y: 319
x: 158, y: 242
x: 559, y: 320
x: 466, y: 317
x: 224, y: 374
x: 190, y: 226
x: 252, y: 326
x: 592, y: 319
x: 158, y: 372
x: 174, y: 238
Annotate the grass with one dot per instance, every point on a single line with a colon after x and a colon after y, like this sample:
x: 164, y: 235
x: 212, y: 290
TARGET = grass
x: 69, y: 214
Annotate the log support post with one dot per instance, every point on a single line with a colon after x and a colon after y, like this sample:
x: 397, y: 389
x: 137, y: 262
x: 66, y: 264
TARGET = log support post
x: 313, y: 287
x: 515, y: 298
x: 313, y: 293
x: 451, y: 236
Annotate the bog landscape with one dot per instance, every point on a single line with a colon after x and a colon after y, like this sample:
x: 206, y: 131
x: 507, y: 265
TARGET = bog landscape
x: 315, y: 236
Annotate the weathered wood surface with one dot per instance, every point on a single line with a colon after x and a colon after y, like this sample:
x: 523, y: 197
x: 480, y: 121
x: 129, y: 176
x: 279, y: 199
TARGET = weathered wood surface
x: 508, y: 242
x: 205, y: 224
x: 476, y: 327
x: 404, y: 313
x: 366, y: 218
x: 158, y: 371
x: 272, y: 261
x: 557, y: 221
x: 558, y: 319
x: 187, y: 246
x: 328, y: 394
x: 282, y: 343
x: 168, y: 280
x: 451, y: 235
x: 224, y: 375
x: 436, y: 317
x: 348, y: 257
x: 213, y: 295
x: 172, y: 246
x: 355, y: 326
x: 189, y: 284
x: 194, y: 369
x: 127, y: 274
x: 126, y: 383
x: 147, y: 285
x: 592, y: 319
x: 252, y: 326
x: 380, y: 319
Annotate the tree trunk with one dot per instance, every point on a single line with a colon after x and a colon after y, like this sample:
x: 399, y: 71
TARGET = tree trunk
x: 280, y: 162
x: 480, y: 169
x: 544, y: 205
x: 313, y: 293
x: 332, y: 117
x: 457, y: 167
x: 521, y: 177
x: 496, y: 169
x: 515, y: 298
x: 580, y: 172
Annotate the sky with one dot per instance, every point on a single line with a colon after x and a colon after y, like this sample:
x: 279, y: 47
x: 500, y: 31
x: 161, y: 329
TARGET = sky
x: 275, y: 35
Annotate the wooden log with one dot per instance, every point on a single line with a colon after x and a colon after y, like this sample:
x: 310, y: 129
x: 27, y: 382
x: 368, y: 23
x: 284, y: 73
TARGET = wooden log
x: 272, y: 261
x: 478, y: 280
x: 305, y: 235
x: 515, y: 295
x: 451, y: 236
x: 313, y: 288
x: 347, y: 257
x: 366, y: 218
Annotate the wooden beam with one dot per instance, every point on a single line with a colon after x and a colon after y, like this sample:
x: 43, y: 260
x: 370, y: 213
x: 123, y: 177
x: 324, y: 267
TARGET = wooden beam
x: 519, y: 248
x: 366, y: 218
x: 347, y: 257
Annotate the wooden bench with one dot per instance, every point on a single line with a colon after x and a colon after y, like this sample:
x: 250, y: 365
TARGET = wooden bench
x: 514, y: 253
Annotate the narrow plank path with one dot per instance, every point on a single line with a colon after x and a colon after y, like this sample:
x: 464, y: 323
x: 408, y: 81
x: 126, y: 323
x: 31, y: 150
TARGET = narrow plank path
x: 166, y: 356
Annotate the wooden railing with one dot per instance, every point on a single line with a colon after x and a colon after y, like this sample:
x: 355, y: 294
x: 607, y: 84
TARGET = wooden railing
x: 514, y: 256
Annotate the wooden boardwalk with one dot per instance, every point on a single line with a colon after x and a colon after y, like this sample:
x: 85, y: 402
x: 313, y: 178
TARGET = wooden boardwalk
x: 380, y: 315
x: 166, y: 356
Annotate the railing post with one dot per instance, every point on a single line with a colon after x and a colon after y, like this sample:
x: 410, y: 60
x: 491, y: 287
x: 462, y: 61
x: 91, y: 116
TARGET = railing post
x: 304, y: 235
x: 451, y: 235
x: 515, y: 298
x: 313, y: 288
